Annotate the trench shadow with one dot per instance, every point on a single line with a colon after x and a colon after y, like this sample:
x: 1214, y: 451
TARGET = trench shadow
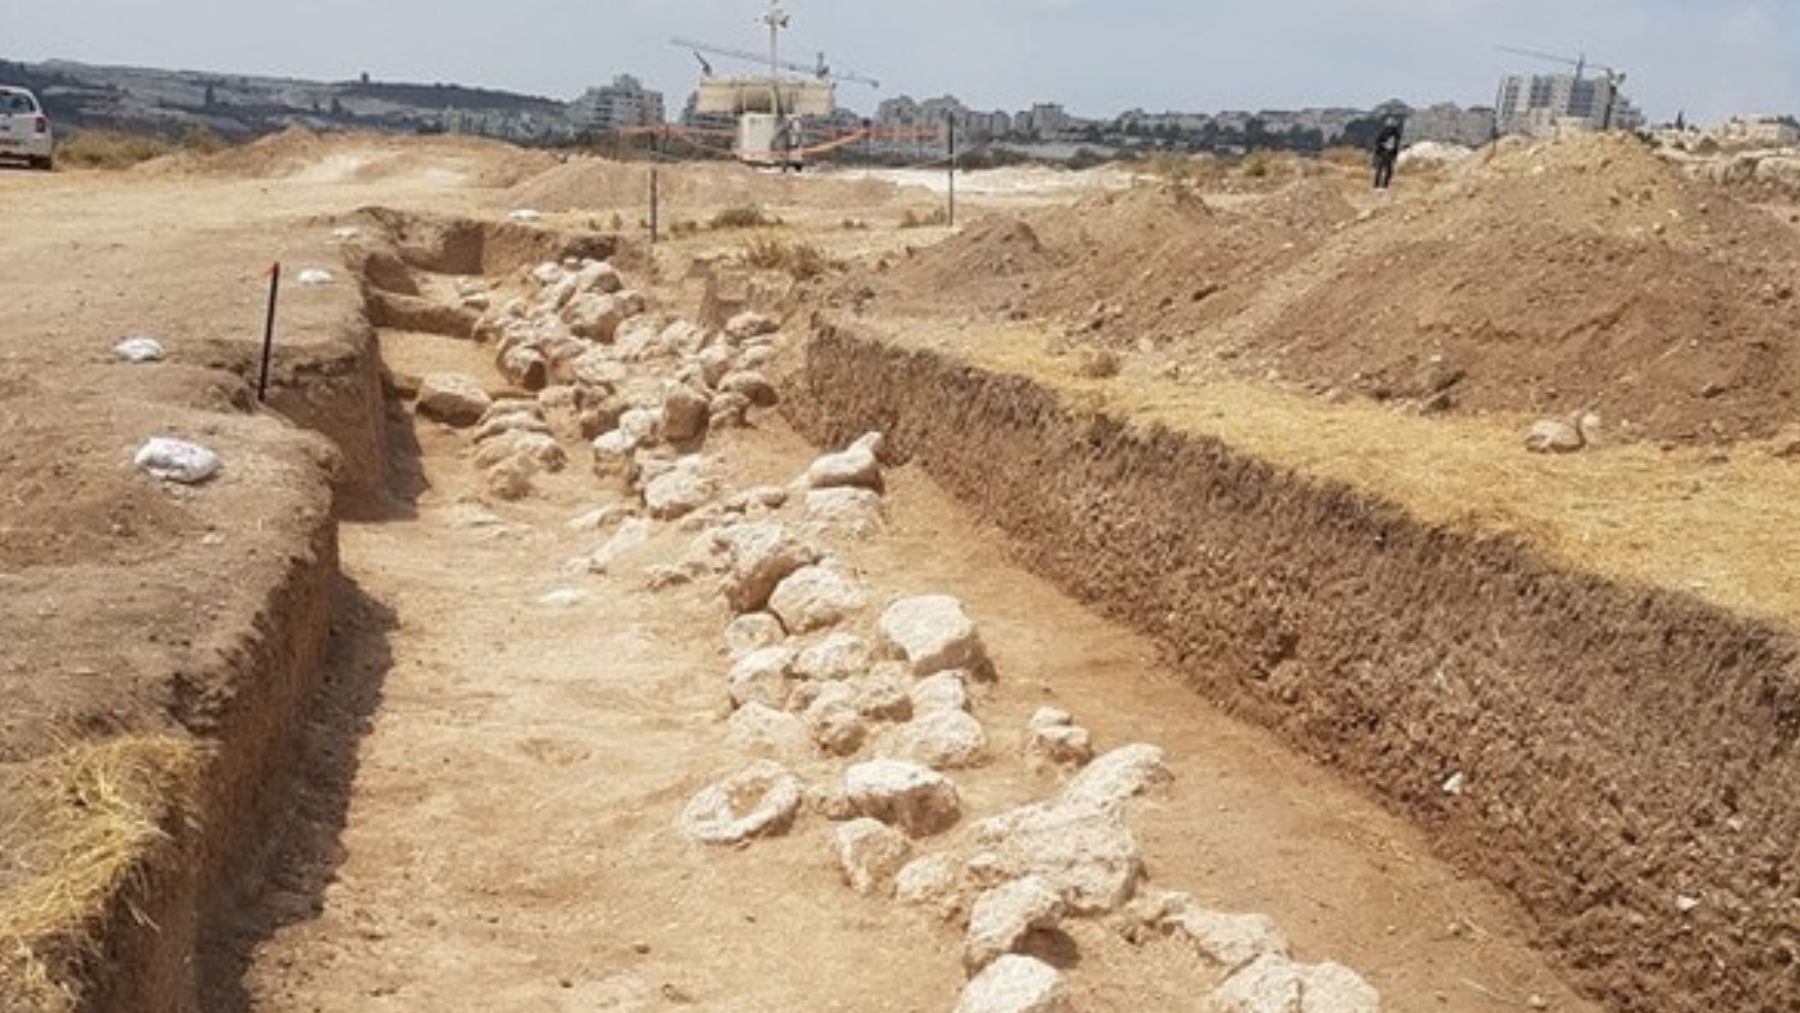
x: 307, y: 845
x: 406, y: 478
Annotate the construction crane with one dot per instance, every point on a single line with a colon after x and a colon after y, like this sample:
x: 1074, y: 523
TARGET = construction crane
x: 1615, y: 79
x: 820, y: 70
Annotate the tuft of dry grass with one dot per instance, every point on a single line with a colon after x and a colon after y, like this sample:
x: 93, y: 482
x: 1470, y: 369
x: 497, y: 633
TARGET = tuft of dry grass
x: 802, y: 261
x: 748, y: 216
x: 109, y: 149
x: 931, y: 219
x: 89, y: 821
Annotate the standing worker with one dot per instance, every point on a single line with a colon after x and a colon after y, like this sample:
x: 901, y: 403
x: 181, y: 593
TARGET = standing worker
x: 1387, y: 151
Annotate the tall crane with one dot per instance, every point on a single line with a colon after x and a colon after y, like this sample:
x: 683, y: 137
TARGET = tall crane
x: 1615, y: 79
x: 821, y: 70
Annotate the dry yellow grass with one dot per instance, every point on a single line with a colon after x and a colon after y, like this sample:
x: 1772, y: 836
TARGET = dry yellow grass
x: 1722, y: 531
x: 90, y: 817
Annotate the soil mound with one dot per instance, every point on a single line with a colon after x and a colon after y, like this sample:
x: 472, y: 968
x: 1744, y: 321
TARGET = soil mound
x: 300, y: 153
x: 1585, y: 274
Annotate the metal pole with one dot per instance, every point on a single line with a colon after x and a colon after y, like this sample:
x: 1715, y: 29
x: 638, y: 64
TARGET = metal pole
x: 656, y: 184
x: 953, y: 171
x: 268, y: 353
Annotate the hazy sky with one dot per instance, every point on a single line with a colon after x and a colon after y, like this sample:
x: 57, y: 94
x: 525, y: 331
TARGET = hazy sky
x: 1707, y: 57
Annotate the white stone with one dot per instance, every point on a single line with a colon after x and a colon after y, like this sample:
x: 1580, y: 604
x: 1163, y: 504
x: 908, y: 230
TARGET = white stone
x: 679, y: 492
x: 762, y: 677
x: 1230, y: 940
x: 1108, y: 782
x: 916, y: 799
x: 601, y: 517
x: 1274, y: 984
x: 594, y: 316
x: 614, y: 448
x: 631, y: 536
x: 563, y: 599
x: 1554, y: 436
x: 932, y: 881
x: 1087, y: 853
x: 642, y: 424
x: 524, y: 366
x: 815, y: 597
x: 881, y: 695
x: 756, y: 728
x: 715, y: 363
x: 943, y: 691
x: 838, y: 656
x: 600, y: 276
x: 452, y: 398
x: 750, y: 324
x: 517, y: 420
x: 1001, y: 918
x: 761, y: 555
x: 1015, y: 984
x: 139, y: 348
x: 597, y: 367
x: 857, y: 512
x: 833, y: 719
x: 854, y: 468
x: 761, y: 800
x: 753, y: 632
x: 525, y: 215
x: 934, y: 634
x: 315, y: 276
x: 944, y: 739
x: 870, y: 852
x: 546, y: 274
x: 178, y: 461
x: 752, y: 386
x: 1053, y: 739
x: 541, y: 449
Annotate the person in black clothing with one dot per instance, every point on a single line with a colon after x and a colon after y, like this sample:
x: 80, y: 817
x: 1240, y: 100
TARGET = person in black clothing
x: 1387, y: 151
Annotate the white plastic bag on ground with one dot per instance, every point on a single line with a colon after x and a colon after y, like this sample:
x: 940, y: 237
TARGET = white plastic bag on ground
x: 177, y: 461
x: 139, y: 348
x: 526, y: 215
x: 315, y: 276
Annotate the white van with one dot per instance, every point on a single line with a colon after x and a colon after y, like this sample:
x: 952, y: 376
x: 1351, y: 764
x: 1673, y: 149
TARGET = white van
x: 24, y: 129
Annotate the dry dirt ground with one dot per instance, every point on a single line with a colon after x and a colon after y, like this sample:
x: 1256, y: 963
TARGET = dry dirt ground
x: 486, y: 817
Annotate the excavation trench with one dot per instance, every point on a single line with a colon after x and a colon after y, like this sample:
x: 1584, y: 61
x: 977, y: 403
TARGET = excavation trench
x: 1621, y: 759
x: 479, y: 809
x: 483, y: 812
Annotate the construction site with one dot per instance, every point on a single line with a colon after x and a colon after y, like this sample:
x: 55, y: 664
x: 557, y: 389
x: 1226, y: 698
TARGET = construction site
x: 444, y: 576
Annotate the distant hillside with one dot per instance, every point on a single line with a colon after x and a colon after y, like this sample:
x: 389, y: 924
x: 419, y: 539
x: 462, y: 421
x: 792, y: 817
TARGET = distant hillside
x: 171, y: 102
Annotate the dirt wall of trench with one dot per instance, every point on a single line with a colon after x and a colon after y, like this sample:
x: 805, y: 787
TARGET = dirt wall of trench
x: 249, y: 710
x: 1620, y: 748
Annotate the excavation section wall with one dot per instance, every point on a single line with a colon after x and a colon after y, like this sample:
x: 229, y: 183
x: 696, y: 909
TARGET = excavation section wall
x: 1622, y: 759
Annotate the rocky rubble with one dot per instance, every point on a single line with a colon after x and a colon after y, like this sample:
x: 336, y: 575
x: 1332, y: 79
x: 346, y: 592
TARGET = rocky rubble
x: 845, y: 708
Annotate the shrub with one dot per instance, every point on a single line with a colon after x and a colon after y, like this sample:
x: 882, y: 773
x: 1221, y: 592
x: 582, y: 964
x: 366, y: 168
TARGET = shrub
x: 934, y: 217
x: 802, y: 261
x: 746, y: 217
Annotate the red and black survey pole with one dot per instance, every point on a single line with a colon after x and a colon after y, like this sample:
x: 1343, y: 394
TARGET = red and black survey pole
x: 262, y: 380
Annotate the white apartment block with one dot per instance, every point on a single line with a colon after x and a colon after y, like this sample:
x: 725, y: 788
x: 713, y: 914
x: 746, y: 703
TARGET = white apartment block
x: 623, y: 104
x: 1532, y: 103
